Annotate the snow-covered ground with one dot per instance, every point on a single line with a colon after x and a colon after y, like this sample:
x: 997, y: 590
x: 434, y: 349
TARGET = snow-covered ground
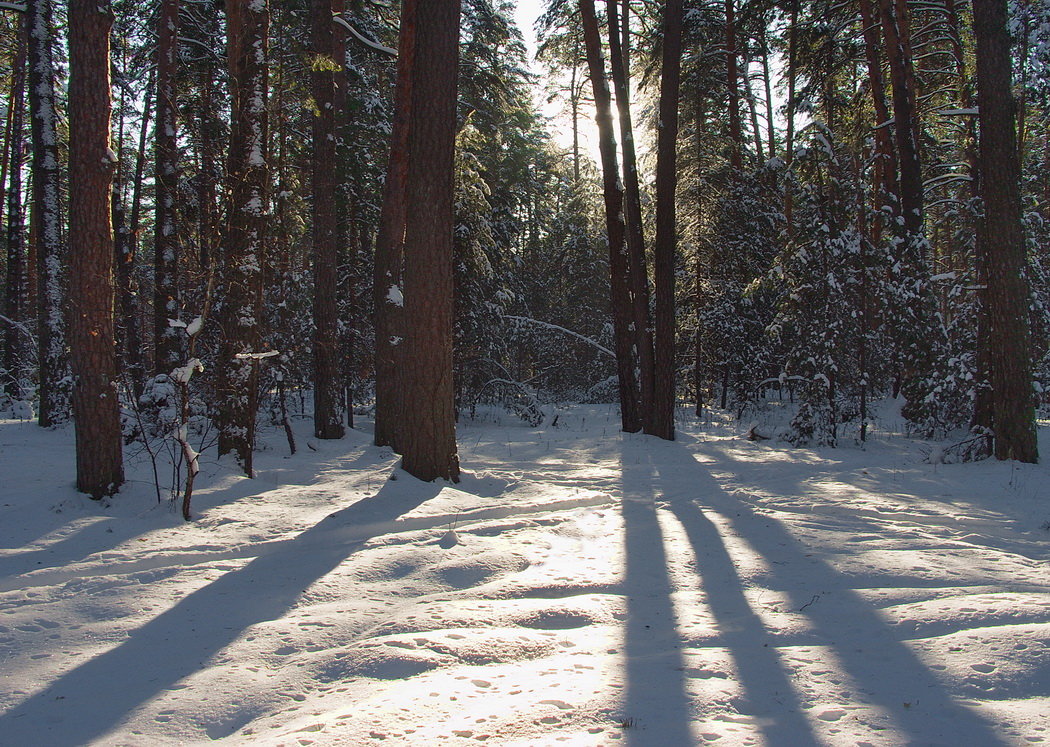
x: 579, y: 586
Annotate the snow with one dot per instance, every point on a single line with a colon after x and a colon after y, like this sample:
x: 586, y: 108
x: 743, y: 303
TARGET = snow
x: 579, y: 586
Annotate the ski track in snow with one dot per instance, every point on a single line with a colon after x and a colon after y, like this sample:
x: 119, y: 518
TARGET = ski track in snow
x: 579, y: 586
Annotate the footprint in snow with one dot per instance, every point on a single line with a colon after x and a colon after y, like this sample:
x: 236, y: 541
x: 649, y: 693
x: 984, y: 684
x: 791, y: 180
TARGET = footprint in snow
x: 831, y: 714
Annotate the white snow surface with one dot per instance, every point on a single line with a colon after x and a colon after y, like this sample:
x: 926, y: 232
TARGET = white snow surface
x: 579, y: 586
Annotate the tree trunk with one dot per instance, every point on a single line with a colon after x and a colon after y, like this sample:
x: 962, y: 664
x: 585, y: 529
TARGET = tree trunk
x: 666, y: 237
x: 886, y: 163
x: 612, y: 189
x: 736, y: 137
x: 167, y: 340
x: 638, y: 277
x: 51, y: 325
x: 428, y: 438
x: 14, y: 288
x: 390, y: 245
x: 899, y: 55
x: 247, y: 26
x: 328, y: 389
x: 1002, y: 236
x: 767, y: 85
x: 126, y: 249
x: 96, y: 410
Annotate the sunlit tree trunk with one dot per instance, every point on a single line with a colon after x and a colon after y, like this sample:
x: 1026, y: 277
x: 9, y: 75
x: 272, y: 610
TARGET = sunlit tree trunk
x: 96, y: 410
x: 428, y: 438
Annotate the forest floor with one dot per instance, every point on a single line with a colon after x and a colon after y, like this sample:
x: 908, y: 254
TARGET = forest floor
x: 579, y: 586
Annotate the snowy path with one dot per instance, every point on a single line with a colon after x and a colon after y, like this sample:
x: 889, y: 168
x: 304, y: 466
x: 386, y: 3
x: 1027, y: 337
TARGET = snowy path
x: 598, y: 588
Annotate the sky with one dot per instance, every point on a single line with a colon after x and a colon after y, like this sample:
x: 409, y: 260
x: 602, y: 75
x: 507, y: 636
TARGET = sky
x: 527, y: 13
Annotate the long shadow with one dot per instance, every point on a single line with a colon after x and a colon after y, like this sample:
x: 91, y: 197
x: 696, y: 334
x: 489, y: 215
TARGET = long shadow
x: 655, y: 702
x: 887, y: 673
x: 95, y: 697
x: 769, y: 695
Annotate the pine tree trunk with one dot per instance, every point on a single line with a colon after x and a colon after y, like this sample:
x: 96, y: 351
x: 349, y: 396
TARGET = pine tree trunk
x: 1002, y: 236
x: 126, y: 249
x: 247, y: 26
x: 328, y: 389
x: 14, y: 287
x: 632, y: 206
x: 51, y: 324
x: 767, y: 84
x: 666, y: 236
x: 905, y: 127
x: 790, y: 106
x: 390, y: 243
x: 167, y: 340
x: 428, y: 438
x: 96, y: 409
x: 886, y: 164
x: 736, y: 136
x: 612, y: 189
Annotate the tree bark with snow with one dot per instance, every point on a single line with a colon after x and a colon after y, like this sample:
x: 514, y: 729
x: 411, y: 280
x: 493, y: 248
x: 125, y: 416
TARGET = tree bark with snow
x: 247, y: 27
x: 1002, y: 239
x: 53, y: 361
x: 96, y: 409
x: 390, y: 244
x: 427, y: 438
x: 167, y: 340
x: 328, y: 388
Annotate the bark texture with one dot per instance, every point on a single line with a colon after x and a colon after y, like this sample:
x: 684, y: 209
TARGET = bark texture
x: 328, y: 388
x: 390, y: 244
x: 166, y: 339
x: 96, y: 412
x: 51, y: 326
x: 247, y: 27
x: 428, y: 440
x: 1002, y: 236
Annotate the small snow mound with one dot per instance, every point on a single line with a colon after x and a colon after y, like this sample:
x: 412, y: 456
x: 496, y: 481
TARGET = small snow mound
x: 449, y: 540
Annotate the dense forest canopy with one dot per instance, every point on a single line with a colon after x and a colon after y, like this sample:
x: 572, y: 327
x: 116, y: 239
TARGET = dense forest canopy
x: 220, y: 212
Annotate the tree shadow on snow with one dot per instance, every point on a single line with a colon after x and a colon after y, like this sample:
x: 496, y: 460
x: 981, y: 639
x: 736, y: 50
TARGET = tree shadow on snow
x: 97, y: 696
x: 656, y: 689
x: 887, y: 674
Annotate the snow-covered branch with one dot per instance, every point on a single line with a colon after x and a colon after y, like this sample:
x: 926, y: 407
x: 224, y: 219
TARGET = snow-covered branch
x: 370, y: 43
x: 17, y: 325
x: 577, y: 335
x: 16, y: 7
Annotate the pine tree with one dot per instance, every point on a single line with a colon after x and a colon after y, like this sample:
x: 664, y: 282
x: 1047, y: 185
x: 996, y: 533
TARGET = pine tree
x: 96, y: 410
x: 428, y: 441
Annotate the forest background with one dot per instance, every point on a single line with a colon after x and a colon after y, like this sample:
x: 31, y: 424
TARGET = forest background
x: 213, y: 214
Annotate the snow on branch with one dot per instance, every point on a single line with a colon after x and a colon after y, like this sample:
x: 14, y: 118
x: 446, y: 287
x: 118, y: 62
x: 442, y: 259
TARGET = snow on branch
x: 17, y: 325
x: 370, y: 43
x: 577, y: 335
x: 16, y: 7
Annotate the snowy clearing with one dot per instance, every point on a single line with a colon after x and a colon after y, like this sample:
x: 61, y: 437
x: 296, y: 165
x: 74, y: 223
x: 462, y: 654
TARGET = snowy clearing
x: 579, y: 586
